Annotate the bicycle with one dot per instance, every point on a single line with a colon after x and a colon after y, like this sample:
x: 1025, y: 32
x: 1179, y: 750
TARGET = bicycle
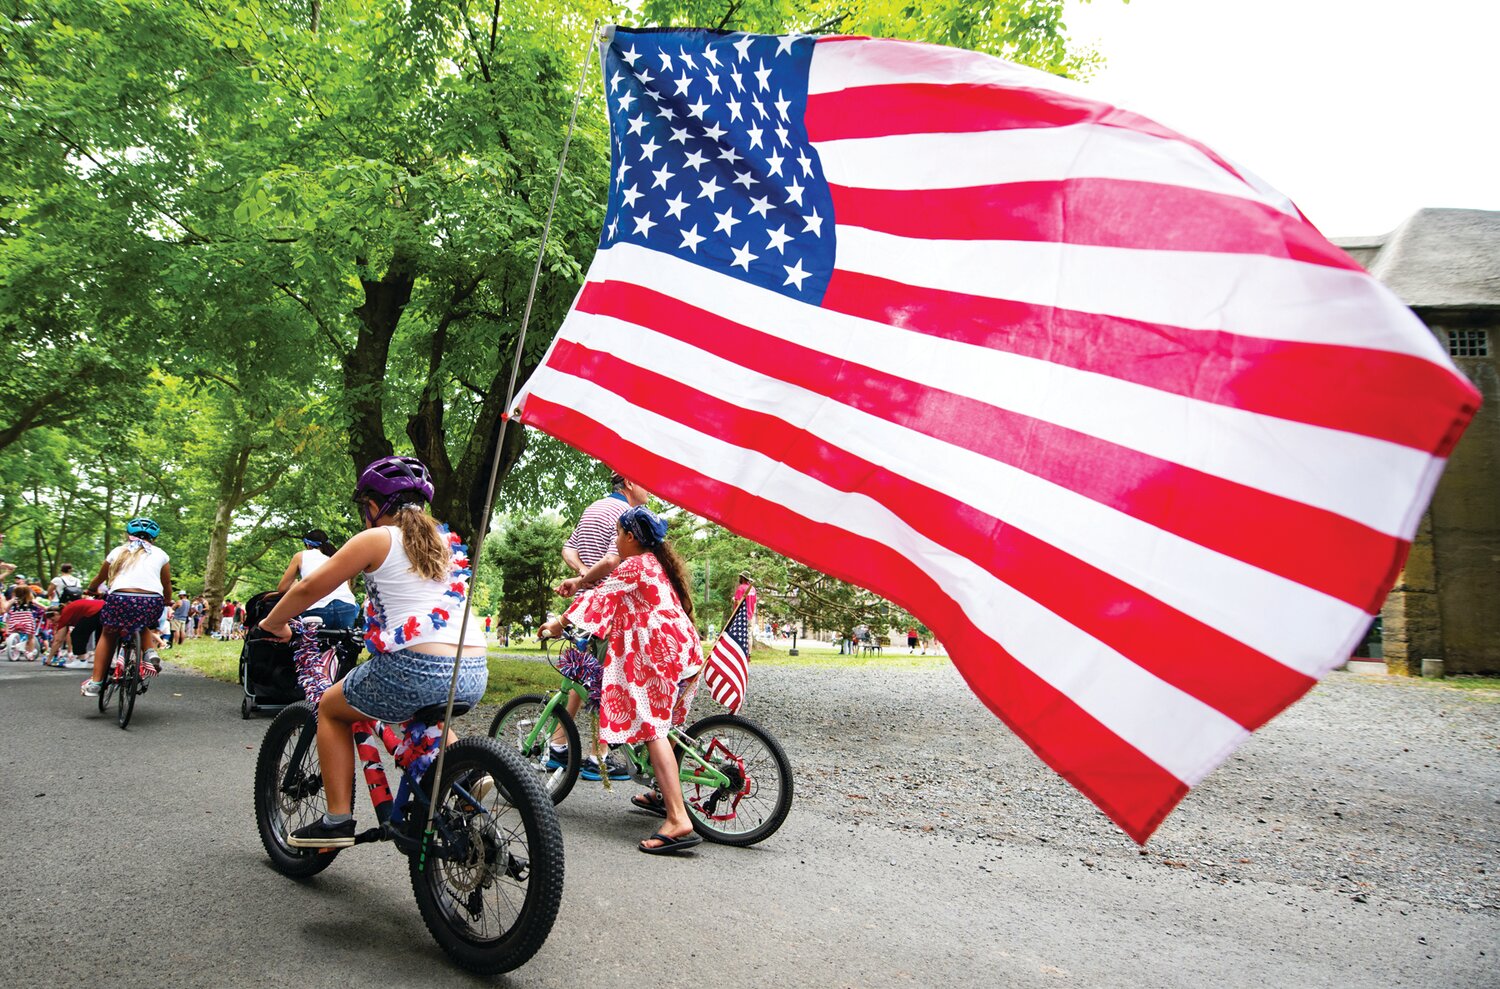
x: 123, y: 682
x: 487, y: 879
x: 736, y: 778
x: 15, y: 652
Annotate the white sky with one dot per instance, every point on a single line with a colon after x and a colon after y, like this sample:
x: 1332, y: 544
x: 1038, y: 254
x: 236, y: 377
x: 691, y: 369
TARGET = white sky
x: 1362, y: 111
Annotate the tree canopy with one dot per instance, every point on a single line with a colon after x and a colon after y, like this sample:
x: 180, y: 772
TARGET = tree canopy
x: 248, y: 246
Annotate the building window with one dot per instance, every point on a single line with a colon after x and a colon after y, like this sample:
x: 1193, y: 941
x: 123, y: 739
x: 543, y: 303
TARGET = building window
x: 1468, y: 343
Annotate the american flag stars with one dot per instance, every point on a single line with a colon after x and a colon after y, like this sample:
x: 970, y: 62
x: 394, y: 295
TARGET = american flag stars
x: 711, y: 160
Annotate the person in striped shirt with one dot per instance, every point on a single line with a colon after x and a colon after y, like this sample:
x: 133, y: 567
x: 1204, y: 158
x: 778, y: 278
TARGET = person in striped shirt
x: 592, y: 553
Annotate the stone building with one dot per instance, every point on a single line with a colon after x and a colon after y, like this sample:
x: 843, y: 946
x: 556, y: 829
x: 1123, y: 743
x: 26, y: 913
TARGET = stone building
x: 1445, y: 264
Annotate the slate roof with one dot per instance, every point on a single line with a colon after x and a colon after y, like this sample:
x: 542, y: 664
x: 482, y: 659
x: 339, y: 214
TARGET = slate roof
x: 1437, y: 259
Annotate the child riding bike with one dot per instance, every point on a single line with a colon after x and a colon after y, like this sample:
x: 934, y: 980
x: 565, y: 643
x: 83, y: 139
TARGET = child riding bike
x: 645, y: 614
x: 417, y: 581
x: 139, y: 574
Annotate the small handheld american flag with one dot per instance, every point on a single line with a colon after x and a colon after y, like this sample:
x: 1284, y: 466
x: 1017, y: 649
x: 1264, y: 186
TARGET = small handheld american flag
x: 728, y: 670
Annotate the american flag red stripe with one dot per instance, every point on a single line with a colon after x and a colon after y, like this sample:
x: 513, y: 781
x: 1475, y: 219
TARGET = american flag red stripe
x: 1141, y: 448
x: 1081, y: 211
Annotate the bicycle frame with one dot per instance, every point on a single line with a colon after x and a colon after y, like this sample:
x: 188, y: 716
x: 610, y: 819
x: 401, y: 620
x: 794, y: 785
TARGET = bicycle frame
x: 414, y: 751
x: 700, y: 774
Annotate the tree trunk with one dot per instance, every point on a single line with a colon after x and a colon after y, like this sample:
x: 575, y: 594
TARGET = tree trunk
x: 231, y: 488
x: 364, y: 368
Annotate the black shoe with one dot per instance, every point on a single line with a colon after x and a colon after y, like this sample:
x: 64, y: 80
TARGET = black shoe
x: 321, y: 835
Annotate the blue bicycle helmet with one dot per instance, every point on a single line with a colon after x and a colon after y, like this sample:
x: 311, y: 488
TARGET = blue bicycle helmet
x: 142, y: 527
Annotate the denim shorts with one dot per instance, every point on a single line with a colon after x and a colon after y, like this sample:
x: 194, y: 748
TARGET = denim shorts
x: 392, y: 686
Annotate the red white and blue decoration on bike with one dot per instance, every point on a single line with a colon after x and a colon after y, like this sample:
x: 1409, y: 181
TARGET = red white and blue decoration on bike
x: 1140, y: 446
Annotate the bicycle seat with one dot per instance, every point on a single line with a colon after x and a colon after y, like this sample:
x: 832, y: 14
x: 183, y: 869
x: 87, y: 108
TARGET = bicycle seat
x: 433, y: 713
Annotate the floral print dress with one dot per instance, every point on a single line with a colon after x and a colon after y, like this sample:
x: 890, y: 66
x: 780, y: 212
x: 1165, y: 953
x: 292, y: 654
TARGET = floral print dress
x: 651, y: 646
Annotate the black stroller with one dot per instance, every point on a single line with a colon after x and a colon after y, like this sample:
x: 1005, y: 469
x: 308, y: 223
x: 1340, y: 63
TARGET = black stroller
x: 267, y: 674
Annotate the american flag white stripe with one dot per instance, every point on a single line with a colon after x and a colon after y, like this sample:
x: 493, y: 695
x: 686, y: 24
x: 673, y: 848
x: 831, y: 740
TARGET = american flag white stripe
x: 1090, y: 538
x: 911, y: 161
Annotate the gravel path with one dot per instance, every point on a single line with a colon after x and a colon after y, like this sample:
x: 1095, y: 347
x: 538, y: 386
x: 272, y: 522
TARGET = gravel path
x: 1376, y: 787
x: 1384, y: 789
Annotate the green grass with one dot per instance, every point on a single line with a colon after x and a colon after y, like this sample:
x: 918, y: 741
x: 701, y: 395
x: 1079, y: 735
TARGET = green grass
x: 211, y: 657
x: 1464, y: 681
x: 512, y: 671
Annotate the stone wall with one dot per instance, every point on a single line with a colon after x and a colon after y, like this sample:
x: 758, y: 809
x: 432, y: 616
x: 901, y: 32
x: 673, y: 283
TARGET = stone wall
x: 1466, y: 516
x: 1410, y: 622
x: 1446, y: 602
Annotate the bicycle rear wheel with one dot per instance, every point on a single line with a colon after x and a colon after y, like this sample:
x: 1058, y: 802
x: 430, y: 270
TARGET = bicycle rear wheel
x: 289, y: 791
x: 130, y: 680
x: 515, y: 721
x: 759, y: 795
x: 107, y: 691
x: 491, y: 880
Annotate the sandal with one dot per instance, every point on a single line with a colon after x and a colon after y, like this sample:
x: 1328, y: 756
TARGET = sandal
x: 651, y: 802
x: 670, y: 846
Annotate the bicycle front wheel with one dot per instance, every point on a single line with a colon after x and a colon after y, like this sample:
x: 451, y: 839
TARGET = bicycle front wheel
x: 491, y: 879
x: 526, y: 717
x: 759, y: 794
x: 130, y: 681
x: 289, y: 791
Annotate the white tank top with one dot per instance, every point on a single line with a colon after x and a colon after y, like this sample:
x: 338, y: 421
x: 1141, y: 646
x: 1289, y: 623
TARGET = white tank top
x: 312, y: 560
x: 143, y: 571
x: 404, y: 608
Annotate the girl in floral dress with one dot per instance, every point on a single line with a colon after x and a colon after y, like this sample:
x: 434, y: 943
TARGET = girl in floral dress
x: 645, y: 614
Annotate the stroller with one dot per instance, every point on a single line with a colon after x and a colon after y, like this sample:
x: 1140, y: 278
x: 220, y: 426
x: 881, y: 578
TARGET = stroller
x: 267, y: 673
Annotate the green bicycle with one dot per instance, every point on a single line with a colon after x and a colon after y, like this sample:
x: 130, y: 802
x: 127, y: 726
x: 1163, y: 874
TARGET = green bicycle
x: 736, y: 779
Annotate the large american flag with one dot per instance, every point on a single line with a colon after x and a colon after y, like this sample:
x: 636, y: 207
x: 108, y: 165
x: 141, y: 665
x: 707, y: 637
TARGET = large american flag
x: 1101, y: 408
x: 727, y: 671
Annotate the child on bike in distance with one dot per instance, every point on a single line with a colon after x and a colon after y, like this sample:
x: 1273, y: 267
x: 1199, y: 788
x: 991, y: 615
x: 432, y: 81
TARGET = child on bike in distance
x: 139, y: 574
x: 645, y: 614
x: 416, y: 581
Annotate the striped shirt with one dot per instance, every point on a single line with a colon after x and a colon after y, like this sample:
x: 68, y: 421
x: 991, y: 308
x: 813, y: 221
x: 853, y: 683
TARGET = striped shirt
x: 594, y: 536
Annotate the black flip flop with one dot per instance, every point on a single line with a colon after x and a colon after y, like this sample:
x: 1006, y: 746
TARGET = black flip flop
x: 651, y: 803
x: 670, y: 846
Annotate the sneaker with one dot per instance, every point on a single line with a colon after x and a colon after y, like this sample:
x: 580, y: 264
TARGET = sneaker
x: 321, y: 835
x: 78, y: 664
x: 590, y: 770
x: 91, y: 688
x: 152, y: 665
x: 557, y: 758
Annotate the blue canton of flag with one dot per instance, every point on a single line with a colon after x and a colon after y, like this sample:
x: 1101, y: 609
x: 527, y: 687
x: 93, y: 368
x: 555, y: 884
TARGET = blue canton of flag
x: 710, y: 156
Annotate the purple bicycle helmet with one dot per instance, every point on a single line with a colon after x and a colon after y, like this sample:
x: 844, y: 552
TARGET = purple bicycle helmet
x: 389, y: 478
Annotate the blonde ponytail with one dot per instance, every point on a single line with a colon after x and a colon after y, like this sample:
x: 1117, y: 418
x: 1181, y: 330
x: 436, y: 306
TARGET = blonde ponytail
x: 426, y: 547
x: 129, y: 554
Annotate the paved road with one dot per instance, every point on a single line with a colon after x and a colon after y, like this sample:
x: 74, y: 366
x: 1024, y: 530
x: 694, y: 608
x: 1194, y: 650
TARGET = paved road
x: 131, y: 859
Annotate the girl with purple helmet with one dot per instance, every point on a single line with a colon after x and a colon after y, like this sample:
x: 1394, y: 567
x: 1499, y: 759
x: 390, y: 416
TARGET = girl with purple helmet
x: 416, y: 582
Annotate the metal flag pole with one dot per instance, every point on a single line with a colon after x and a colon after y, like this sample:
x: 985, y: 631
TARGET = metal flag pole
x: 515, y: 368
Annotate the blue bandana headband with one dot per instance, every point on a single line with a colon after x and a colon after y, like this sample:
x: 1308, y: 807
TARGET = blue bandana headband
x: 310, y: 544
x: 647, y: 529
